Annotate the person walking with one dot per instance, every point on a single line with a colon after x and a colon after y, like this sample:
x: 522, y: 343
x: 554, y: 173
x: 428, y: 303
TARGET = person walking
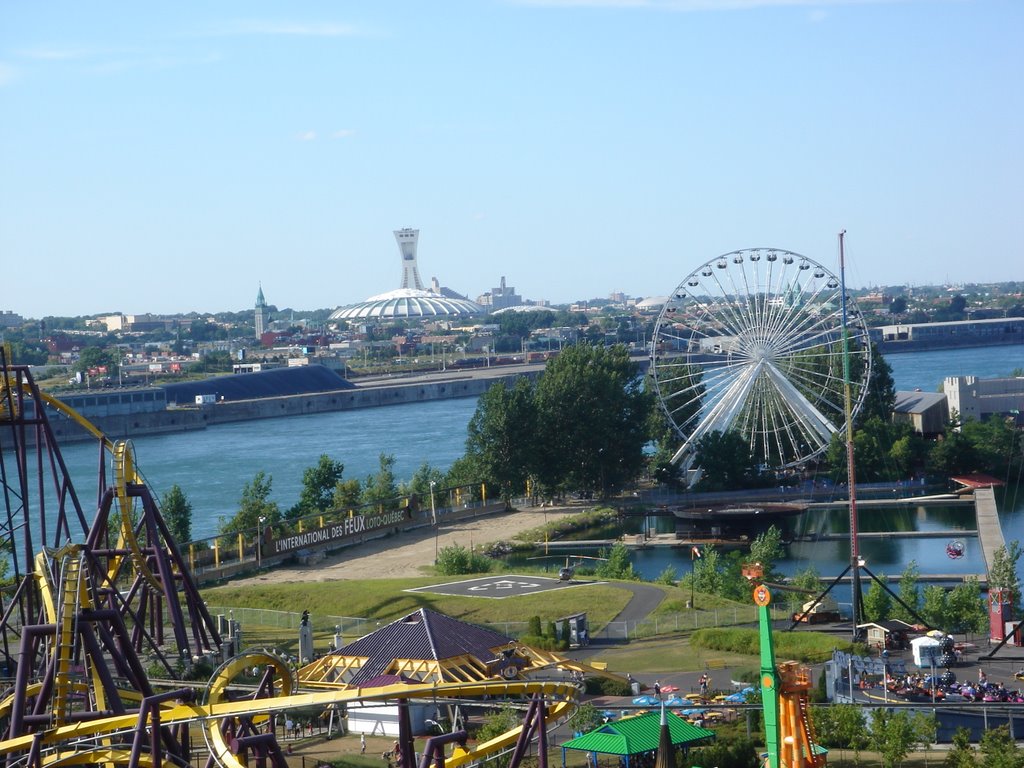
x: 657, y: 688
x: 362, y: 743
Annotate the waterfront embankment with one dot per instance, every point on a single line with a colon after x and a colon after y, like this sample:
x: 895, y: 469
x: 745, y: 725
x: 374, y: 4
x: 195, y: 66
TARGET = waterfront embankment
x: 370, y: 394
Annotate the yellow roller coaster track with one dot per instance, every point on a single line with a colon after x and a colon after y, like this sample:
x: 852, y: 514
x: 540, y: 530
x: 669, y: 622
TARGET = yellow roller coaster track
x: 70, y: 744
x: 123, y: 453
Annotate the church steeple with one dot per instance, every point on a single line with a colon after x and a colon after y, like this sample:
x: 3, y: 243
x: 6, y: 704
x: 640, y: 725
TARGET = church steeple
x: 261, y: 313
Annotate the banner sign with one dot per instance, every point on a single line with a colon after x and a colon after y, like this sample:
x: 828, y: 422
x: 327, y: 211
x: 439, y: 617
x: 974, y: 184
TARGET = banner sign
x: 339, y: 531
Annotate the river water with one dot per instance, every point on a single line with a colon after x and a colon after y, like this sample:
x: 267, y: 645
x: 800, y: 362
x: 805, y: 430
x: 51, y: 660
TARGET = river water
x: 213, y: 465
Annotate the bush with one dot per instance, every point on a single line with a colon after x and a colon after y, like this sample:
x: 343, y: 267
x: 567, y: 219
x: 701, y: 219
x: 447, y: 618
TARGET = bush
x: 668, y: 577
x: 605, y: 686
x: 533, y: 627
x: 456, y: 561
x: 543, y: 643
x: 801, y: 646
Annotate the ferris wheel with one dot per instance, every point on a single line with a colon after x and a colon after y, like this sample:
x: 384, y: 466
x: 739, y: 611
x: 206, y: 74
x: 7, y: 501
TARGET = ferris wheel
x: 752, y: 342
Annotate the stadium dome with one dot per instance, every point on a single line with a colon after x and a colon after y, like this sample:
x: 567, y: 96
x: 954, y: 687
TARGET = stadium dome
x: 651, y: 304
x: 520, y: 308
x: 406, y: 303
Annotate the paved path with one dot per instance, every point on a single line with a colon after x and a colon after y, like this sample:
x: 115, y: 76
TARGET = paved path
x: 990, y: 533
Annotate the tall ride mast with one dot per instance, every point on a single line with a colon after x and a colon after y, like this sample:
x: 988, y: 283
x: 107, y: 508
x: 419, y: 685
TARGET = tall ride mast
x: 857, y: 598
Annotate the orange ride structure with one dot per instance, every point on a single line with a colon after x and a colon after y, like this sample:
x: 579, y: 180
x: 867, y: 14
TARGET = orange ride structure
x: 102, y: 624
x: 785, y: 699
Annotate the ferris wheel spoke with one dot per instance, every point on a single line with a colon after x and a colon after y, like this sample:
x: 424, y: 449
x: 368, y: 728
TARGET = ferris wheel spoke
x: 801, y: 408
x: 721, y: 413
x: 822, y: 329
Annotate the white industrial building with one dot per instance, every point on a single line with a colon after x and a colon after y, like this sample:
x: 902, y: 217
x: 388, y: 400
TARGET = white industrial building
x: 980, y: 399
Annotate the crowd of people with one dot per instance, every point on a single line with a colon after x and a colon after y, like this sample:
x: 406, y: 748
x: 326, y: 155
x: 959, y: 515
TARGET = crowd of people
x: 945, y: 687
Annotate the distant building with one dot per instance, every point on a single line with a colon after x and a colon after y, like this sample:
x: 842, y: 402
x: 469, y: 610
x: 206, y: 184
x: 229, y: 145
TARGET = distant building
x: 500, y: 298
x: 262, y: 313
x: 980, y: 399
x: 10, y: 320
x: 948, y: 335
x: 926, y: 412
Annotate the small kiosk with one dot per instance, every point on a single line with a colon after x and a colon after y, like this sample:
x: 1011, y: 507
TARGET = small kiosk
x: 579, y: 629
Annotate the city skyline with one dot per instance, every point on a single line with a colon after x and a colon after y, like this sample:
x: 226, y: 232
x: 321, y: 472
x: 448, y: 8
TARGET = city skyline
x: 167, y: 160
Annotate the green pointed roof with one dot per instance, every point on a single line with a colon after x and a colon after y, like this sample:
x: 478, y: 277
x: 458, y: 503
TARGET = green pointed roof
x: 633, y: 735
x: 260, y: 301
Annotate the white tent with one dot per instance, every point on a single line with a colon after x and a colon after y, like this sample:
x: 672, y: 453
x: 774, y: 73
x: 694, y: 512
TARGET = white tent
x: 925, y: 650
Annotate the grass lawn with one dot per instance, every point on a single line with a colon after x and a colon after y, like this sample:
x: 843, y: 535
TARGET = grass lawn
x: 671, y: 654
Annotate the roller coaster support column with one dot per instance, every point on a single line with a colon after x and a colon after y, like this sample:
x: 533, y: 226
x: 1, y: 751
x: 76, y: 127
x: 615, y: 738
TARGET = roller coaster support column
x: 769, y: 677
x: 433, y: 751
x: 406, y: 743
x: 533, y: 724
x: 149, y: 714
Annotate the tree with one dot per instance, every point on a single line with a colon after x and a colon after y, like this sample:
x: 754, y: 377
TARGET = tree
x: 996, y: 443
x: 707, y: 572
x: 618, y: 565
x: 892, y: 735
x: 961, y: 754
x: 591, y: 418
x: 255, y: 503
x: 767, y: 549
x: 726, y: 460
x: 318, y: 484
x: 1003, y: 573
x: 999, y: 749
x: 933, y: 606
x: 584, y: 718
x: 926, y: 730
x: 908, y: 454
x: 94, y: 358
x: 965, y: 610
x: 381, y: 489
x: 898, y: 305
x: 347, y: 494
x: 842, y: 726
x: 910, y: 593
x: 881, y: 395
x: 877, y: 602
x: 502, y: 721
x: 177, y: 513
x: 500, y: 436
x: 953, y: 454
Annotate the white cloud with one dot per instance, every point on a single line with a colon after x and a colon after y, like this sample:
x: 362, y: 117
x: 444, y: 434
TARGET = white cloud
x: 56, y: 54
x: 306, y: 136
x: 344, y: 133
x: 291, y: 29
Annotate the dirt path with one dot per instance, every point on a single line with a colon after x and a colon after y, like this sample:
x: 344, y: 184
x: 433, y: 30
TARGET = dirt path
x: 405, y: 554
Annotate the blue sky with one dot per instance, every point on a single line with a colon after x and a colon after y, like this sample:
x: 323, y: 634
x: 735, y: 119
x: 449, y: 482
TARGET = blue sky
x: 168, y: 157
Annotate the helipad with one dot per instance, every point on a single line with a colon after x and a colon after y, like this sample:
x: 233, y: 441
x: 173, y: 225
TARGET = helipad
x: 498, y: 587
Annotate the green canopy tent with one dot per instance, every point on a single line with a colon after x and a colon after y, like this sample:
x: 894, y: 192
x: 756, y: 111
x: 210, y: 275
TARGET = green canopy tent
x: 637, y: 736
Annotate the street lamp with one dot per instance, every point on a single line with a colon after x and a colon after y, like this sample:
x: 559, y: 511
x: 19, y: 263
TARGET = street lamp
x: 259, y: 542
x: 433, y: 517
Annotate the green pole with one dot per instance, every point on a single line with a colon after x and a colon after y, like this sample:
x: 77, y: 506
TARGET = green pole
x: 769, y: 677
